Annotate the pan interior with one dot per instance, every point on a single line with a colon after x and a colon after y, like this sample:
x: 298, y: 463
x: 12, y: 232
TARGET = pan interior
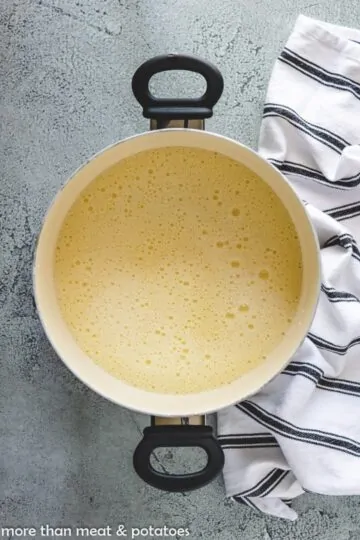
x: 178, y: 270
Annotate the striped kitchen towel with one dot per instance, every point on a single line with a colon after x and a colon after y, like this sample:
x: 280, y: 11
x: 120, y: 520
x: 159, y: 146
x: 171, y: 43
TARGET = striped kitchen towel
x: 301, y: 432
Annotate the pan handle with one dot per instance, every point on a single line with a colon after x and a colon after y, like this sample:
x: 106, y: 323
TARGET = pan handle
x: 185, y: 108
x: 178, y: 436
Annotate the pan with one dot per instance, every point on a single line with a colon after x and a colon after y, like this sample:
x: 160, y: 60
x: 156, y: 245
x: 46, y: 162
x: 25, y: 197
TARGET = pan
x: 177, y: 128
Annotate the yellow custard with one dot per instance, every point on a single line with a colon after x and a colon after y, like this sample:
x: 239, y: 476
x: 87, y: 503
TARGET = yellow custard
x: 178, y: 270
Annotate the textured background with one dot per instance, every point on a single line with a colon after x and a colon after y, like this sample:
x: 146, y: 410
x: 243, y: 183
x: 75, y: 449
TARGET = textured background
x: 65, y: 72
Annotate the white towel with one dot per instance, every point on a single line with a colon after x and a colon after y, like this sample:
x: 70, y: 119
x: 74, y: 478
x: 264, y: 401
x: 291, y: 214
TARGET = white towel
x: 302, y: 431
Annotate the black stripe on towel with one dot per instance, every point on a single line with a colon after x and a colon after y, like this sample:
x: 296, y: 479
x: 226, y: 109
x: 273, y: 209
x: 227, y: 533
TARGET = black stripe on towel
x: 306, y: 370
x: 247, y: 440
x: 338, y: 296
x: 265, y: 486
x: 248, y: 502
x: 347, y: 211
x: 316, y: 375
x: 290, y: 167
x: 345, y: 241
x: 322, y: 343
x: 258, y: 486
x: 321, y: 134
x: 291, y: 431
x: 318, y: 73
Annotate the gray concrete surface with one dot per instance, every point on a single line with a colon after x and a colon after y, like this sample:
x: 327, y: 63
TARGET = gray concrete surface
x: 65, y: 71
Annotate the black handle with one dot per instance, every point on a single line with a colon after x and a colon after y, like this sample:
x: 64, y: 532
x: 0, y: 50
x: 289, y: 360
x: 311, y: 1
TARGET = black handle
x: 183, y: 109
x: 180, y: 436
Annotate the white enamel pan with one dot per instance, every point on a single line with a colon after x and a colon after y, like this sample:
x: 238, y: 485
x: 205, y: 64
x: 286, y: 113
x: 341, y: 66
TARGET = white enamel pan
x: 177, y: 420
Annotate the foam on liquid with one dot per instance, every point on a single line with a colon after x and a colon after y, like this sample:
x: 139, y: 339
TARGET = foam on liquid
x: 178, y: 270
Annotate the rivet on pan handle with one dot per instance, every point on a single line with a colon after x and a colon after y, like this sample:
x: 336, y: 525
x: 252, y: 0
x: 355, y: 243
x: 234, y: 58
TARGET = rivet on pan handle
x: 164, y: 109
